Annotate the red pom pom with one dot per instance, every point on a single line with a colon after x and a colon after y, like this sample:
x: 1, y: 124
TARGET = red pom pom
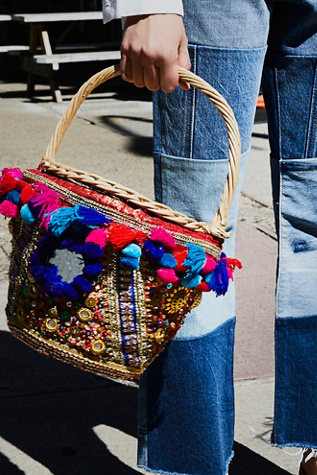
x: 203, y: 287
x: 180, y: 256
x: 26, y: 194
x: 7, y: 183
x: 22, y: 184
x: 121, y: 235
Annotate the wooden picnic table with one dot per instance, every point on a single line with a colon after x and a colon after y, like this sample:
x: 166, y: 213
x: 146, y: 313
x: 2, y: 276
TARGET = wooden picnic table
x: 42, y: 58
x: 11, y: 48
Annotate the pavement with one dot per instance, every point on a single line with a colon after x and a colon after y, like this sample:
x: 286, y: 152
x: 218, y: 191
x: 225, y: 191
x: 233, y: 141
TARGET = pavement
x: 58, y: 420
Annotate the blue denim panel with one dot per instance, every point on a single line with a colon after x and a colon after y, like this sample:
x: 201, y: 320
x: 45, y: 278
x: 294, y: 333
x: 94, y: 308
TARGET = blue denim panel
x: 190, y: 417
x: 297, y: 278
x: 290, y: 88
x: 227, y: 23
x: 295, y: 382
x: 187, y: 125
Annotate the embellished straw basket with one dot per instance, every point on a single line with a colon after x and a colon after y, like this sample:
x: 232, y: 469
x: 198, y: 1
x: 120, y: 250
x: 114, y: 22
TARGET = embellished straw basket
x: 143, y: 266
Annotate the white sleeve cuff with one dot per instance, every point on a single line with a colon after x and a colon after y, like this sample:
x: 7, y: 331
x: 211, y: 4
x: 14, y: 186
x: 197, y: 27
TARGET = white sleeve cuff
x: 123, y: 8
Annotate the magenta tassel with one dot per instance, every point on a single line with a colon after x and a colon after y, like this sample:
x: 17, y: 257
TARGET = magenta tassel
x: 47, y: 200
x: 98, y: 236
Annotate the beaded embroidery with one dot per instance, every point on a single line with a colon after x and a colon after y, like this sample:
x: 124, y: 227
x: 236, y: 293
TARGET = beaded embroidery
x: 134, y: 290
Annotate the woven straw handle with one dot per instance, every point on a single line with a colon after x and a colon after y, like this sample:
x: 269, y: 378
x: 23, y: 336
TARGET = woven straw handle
x: 217, y: 226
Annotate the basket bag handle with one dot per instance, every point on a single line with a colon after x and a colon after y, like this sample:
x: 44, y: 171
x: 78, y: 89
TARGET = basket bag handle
x: 217, y: 227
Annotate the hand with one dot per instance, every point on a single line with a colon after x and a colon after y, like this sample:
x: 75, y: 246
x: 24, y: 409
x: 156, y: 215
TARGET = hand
x: 152, y: 48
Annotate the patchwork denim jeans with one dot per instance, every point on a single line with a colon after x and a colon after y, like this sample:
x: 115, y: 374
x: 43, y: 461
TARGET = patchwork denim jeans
x: 186, y: 400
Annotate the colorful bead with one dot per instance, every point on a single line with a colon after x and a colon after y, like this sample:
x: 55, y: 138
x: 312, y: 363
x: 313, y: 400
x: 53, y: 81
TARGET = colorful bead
x: 65, y: 316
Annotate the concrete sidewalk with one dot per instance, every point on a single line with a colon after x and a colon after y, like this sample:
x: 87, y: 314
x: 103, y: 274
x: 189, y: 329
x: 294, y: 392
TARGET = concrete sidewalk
x: 56, y: 419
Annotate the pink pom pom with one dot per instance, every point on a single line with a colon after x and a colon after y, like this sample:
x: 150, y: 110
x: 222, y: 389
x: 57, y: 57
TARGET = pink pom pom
x: 160, y: 235
x: 98, y: 236
x: 230, y: 273
x: 14, y: 172
x: 209, y: 266
x: 8, y: 209
x: 167, y: 276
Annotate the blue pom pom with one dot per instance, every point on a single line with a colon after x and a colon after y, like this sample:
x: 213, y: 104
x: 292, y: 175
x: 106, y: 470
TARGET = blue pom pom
x: 153, y: 251
x: 80, y: 230
x: 27, y: 215
x: 35, y: 258
x: 218, y: 280
x: 132, y: 250
x: 92, y: 251
x: 39, y: 273
x: 45, y: 273
x: 130, y: 263
x: 47, y: 247
x: 169, y: 261
x: 91, y: 217
x: 192, y: 281
x: 54, y: 288
x: 72, y: 245
x: 92, y: 270
x: 69, y: 291
x: 82, y: 284
x: 14, y: 197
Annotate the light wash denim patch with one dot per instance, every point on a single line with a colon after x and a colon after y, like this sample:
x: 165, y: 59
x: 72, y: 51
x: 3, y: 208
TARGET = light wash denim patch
x: 205, y: 179
x: 298, y: 229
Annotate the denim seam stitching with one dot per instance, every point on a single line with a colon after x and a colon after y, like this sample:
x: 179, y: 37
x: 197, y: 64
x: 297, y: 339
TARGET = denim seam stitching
x: 193, y: 107
x: 222, y: 48
x: 312, y: 126
x: 273, y: 435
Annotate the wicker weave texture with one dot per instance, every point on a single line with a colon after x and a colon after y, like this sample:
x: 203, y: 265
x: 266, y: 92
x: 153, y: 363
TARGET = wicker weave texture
x: 217, y: 226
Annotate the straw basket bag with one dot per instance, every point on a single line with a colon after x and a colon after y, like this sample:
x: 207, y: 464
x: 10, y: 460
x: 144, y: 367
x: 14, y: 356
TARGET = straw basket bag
x: 143, y: 266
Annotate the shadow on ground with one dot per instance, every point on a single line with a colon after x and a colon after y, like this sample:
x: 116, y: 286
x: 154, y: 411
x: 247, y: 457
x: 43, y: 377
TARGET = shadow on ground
x: 48, y: 411
x: 247, y: 462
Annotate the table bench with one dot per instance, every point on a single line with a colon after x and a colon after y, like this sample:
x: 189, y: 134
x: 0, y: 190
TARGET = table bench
x: 47, y: 63
x: 11, y: 48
